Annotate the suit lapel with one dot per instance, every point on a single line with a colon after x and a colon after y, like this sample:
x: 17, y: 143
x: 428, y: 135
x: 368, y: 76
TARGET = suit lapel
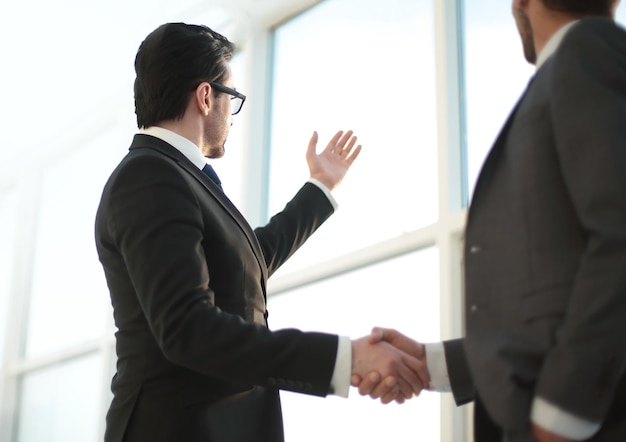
x: 146, y: 141
x: 229, y: 207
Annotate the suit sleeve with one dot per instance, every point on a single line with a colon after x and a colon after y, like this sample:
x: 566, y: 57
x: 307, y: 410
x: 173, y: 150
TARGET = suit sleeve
x: 461, y: 381
x: 288, y: 230
x: 157, y: 225
x: 588, y: 112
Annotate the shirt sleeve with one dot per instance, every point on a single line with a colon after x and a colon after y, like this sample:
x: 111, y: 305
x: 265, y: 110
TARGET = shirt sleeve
x: 437, y: 367
x: 340, y: 381
x: 560, y: 422
x: 543, y: 413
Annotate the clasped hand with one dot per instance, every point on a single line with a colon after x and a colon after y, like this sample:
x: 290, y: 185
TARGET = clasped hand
x: 389, y: 366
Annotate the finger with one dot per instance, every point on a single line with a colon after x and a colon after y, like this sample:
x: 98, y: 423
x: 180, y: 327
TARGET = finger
x: 339, y: 146
x: 354, y: 155
x: 345, y: 151
x: 390, y: 396
x: 381, y: 334
x: 408, y: 371
x: 385, y: 387
x: 311, y: 150
x: 406, y: 388
x: 400, y: 399
x: 420, y: 370
x: 355, y: 380
x: 368, y: 384
x: 376, y: 336
x: 333, y: 142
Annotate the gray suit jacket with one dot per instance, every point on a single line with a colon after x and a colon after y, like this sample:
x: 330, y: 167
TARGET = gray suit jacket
x: 545, y: 243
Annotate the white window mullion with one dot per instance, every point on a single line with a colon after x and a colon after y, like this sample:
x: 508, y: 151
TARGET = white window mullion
x: 451, y: 194
x: 18, y: 301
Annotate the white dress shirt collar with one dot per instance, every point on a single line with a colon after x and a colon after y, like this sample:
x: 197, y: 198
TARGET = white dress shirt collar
x: 553, y: 44
x: 180, y: 143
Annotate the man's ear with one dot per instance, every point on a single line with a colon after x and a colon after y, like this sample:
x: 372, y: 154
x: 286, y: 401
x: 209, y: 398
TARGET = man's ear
x: 202, y: 98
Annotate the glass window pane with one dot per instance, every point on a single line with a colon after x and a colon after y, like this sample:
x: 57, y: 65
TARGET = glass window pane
x: 101, y: 63
x: 370, y: 67
x: 496, y: 74
x: 8, y: 229
x: 492, y: 89
x: 69, y: 292
x: 62, y: 403
x: 402, y: 293
x: 620, y: 15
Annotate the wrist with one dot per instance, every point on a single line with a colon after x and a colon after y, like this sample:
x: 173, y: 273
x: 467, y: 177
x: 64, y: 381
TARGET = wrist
x: 324, y: 180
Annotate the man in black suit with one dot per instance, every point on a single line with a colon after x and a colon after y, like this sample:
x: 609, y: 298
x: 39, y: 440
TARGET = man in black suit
x: 187, y: 274
x: 545, y: 245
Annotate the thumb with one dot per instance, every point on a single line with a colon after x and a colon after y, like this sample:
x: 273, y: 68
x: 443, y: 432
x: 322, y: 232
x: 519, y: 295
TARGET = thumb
x: 376, y: 336
x: 382, y: 334
x: 311, y: 151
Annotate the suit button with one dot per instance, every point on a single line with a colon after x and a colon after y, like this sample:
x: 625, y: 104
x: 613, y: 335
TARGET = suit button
x: 474, y: 308
x: 475, y: 249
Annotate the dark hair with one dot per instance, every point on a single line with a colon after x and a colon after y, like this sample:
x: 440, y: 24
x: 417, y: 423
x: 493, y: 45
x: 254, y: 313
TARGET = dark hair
x: 170, y: 63
x: 584, y: 7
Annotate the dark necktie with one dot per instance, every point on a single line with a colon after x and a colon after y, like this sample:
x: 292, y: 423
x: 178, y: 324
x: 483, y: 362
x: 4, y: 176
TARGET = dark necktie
x: 208, y: 171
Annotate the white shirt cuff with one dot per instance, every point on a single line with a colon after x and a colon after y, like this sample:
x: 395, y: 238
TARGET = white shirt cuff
x: 437, y: 367
x: 560, y: 422
x: 340, y: 381
x: 326, y: 191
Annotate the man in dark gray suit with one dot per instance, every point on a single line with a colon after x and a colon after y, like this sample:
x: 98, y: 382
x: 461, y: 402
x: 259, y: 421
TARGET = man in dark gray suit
x: 545, y: 245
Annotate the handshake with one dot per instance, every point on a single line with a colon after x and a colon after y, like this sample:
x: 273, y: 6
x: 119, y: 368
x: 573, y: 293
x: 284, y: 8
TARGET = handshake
x: 389, y: 366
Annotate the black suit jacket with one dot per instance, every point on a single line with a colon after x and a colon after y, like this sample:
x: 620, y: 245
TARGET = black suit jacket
x: 187, y: 277
x: 545, y: 244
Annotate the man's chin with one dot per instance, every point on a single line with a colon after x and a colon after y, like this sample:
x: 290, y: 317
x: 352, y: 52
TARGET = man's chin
x: 531, y: 56
x: 215, y: 152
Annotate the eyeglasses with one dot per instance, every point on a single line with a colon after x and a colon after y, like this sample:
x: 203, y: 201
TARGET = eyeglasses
x: 237, y: 98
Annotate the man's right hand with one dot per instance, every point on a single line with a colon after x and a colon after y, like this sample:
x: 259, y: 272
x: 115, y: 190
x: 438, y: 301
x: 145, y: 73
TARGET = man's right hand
x: 389, y: 386
x: 382, y: 370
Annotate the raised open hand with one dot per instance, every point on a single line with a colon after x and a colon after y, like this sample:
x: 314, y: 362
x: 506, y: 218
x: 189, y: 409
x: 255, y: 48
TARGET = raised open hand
x: 331, y: 165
